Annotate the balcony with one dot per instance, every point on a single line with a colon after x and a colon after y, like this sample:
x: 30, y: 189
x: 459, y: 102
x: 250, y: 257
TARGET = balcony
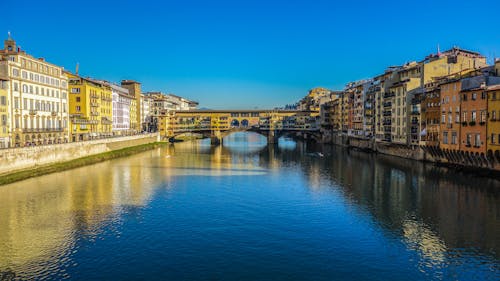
x: 387, y: 113
x: 42, y: 130
x: 53, y: 113
x: 387, y: 104
x: 33, y: 111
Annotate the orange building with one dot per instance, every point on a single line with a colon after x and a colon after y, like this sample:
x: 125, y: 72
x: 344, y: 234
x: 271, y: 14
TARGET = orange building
x: 493, y: 123
x: 474, y: 106
x: 450, y: 109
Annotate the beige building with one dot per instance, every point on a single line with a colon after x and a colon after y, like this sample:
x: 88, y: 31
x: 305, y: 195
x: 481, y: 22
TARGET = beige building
x: 134, y: 89
x: 36, y: 98
x: 4, y: 112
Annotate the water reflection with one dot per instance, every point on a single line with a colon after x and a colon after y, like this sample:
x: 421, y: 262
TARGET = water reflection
x: 449, y: 220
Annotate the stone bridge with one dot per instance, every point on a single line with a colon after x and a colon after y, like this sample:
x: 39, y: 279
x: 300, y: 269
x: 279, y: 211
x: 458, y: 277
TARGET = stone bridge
x: 216, y: 124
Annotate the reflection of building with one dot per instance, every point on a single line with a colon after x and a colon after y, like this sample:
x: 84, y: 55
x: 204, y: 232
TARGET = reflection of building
x: 36, y: 98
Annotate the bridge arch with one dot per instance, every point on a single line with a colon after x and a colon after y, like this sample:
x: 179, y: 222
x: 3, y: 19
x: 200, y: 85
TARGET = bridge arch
x: 244, y: 123
x: 235, y: 123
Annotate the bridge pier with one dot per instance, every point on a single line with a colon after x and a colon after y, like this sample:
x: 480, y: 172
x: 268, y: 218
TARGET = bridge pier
x: 272, y: 137
x: 216, y: 137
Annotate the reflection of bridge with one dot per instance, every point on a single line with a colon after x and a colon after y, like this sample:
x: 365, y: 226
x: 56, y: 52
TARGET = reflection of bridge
x: 217, y: 124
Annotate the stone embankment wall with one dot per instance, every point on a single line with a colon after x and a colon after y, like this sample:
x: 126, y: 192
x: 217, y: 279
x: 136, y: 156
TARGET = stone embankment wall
x: 14, y: 159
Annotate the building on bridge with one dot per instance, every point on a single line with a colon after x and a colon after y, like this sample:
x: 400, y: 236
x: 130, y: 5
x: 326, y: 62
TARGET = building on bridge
x: 218, y: 123
x: 160, y: 104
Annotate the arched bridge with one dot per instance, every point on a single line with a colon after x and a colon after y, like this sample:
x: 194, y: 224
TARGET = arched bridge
x: 217, y: 124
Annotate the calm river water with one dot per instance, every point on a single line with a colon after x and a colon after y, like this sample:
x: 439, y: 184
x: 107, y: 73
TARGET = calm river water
x: 247, y: 211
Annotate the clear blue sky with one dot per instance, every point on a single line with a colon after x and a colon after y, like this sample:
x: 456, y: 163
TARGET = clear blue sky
x: 245, y: 54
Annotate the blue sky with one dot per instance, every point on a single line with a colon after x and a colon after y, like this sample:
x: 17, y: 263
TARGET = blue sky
x: 245, y: 54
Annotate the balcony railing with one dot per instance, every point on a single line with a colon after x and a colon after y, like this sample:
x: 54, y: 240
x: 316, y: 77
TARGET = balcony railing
x: 42, y: 130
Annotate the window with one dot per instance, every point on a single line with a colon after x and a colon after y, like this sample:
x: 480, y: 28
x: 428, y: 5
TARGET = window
x: 3, y: 100
x: 464, y: 98
x: 493, y: 138
x: 473, y: 116
x: 24, y: 74
x: 450, y: 118
x: 78, y: 108
x: 474, y: 96
x: 77, y: 99
x: 25, y: 88
x: 445, y: 137
x: 457, y: 118
x: 443, y: 118
x: 469, y: 138
x: 477, y: 140
x: 493, y: 115
x: 483, y: 95
x: 453, y: 137
x: 15, y: 72
x: 4, y: 120
x: 16, y: 86
x: 483, y: 116
x: 75, y: 90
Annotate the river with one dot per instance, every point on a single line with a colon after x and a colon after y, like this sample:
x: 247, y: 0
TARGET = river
x: 248, y: 211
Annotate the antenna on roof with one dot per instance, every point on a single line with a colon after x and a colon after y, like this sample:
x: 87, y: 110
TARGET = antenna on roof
x: 77, y: 67
x: 439, y: 52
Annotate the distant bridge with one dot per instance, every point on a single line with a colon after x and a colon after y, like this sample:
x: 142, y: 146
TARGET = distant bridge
x: 216, y: 124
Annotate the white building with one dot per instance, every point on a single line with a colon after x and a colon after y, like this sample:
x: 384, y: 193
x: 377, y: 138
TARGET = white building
x: 121, y: 109
x: 147, y: 103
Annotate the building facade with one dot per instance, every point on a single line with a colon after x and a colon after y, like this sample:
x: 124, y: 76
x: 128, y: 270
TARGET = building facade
x: 134, y: 89
x: 121, y: 109
x: 36, y: 99
x: 493, y: 122
x: 90, y: 108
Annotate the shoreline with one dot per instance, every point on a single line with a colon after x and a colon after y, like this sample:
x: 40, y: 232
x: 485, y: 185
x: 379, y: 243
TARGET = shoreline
x: 24, y: 174
x: 476, y: 171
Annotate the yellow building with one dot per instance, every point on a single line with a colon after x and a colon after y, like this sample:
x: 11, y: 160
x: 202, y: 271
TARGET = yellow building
x: 493, y: 122
x: 4, y: 113
x: 409, y: 77
x: 36, y: 99
x: 90, y: 108
x: 134, y: 126
x: 453, y: 61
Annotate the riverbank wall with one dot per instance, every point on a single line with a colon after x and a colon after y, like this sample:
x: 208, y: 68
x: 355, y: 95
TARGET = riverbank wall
x: 454, y: 159
x: 22, y: 158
